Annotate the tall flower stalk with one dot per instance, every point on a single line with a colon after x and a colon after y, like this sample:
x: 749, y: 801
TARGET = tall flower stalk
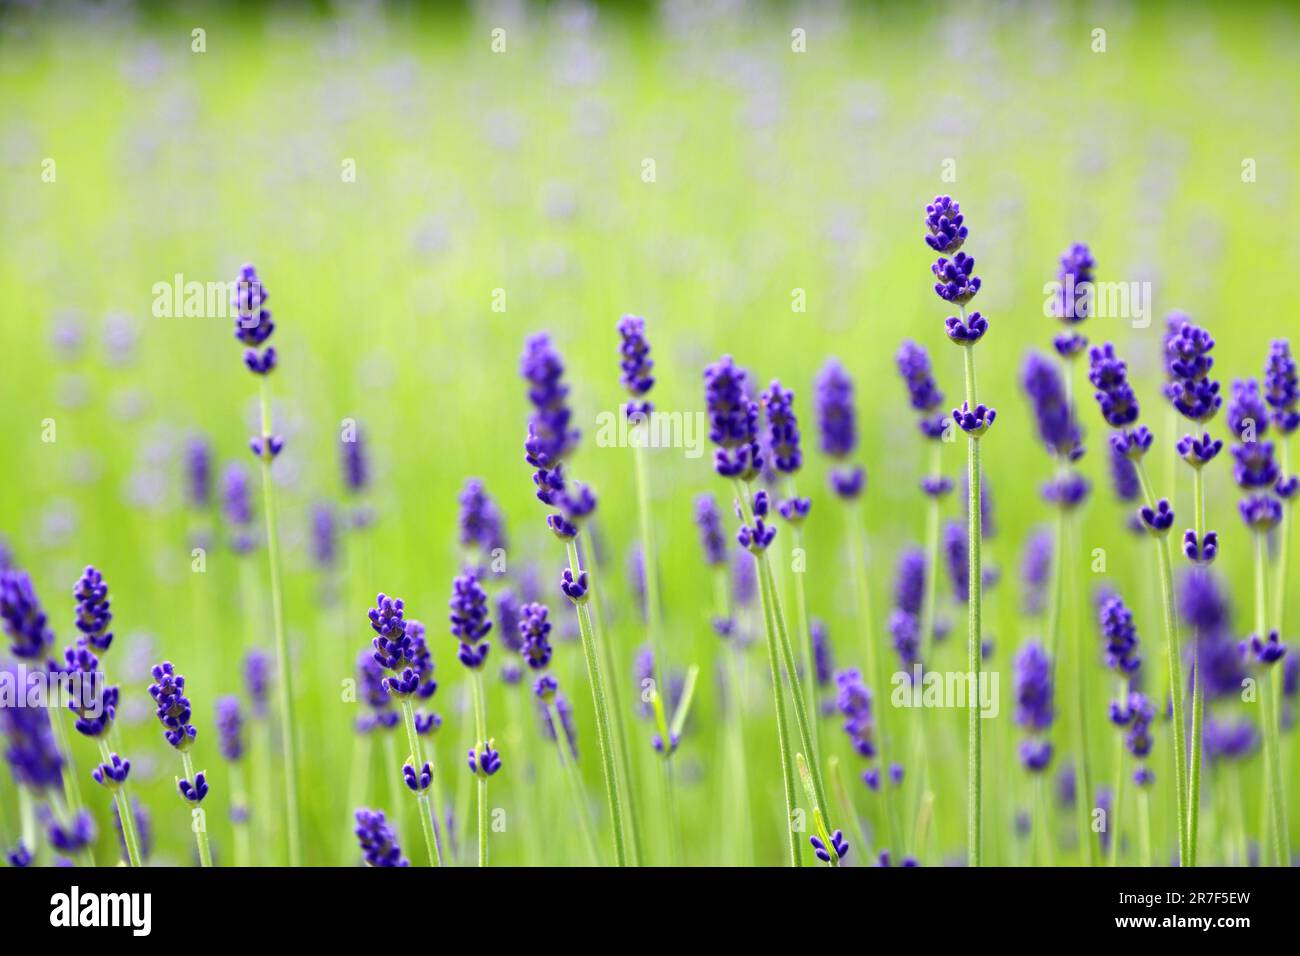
x: 173, y: 712
x: 1119, y: 407
x: 957, y: 284
x: 470, y: 625
x: 253, y: 327
x: 1282, y: 393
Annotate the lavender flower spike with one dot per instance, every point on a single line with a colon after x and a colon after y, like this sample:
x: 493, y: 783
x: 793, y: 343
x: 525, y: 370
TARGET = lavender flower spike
x: 636, y: 364
x: 25, y: 622
x: 837, y: 424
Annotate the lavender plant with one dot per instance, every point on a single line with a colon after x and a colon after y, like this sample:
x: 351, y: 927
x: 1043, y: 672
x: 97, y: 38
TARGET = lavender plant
x: 173, y: 712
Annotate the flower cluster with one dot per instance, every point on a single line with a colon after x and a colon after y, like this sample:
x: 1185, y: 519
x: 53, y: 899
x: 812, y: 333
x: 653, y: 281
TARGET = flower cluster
x: 853, y: 701
x: 30, y: 749
x: 483, y: 760
x: 1281, y: 387
x: 535, y: 631
x: 377, y: 839
x: 1137, y: 714
x: 253, y: 325
x: 470, y: 622
x: 1074, y: 299
x: 636, y: 364
x: 1188, y: 362
x: 1109, y: 375
x: 173, y: 707
x: 93, y: 614
x: 757, y: 537
x: 837, y: 425
x: 237, y: 508
x: 1034, y: 710
x: 551, y: 436
x: 914, y: 366
x: 712, y: 538
x: 733, y: 421
x: 1121, y: 636
x: 230, y: 728
x: 1255, y: 469
x: 481, y: 524
x: 1041, y: 378
x: 24, y: 619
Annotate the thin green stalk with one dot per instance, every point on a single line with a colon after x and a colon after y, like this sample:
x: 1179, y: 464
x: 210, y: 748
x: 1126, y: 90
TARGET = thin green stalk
x: 1237, y: 800
x: 239, y: 799
x: 288, y: 729
x: 735, y: 726
x: 805, y: 633
x: 603, y: 734
x: 70, y: 785
x: 201, y: 833
x: 974, y: 789
x: 1198, y: 694
x: 357, y: 775
x: 1043, y: 831
x: 1112, y: 824
x: 1173, y: 652
x: 480, y: 731
x: 569, y: 764
x: 1079, y: 724
x: 1272, y: 695
x: 819, y: 821
x: 1283, y: 539
x: 422, y: 797
x: 846, y: 805
x: 125, y: 813
x: 1144, y: 825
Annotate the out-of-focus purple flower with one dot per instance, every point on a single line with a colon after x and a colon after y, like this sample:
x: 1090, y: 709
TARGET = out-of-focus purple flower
x: 237, y: 507
x: 481, y: 524
x: 1188, y: 362
x: 905, y: 630
x: 1124, y: 476
x: 143, y: 829
x: 1109, y: 375
x: 1282, y: 387
x: 635, y: 363
x: 1136, y: 713
x: 25, y: 623
x: 1121, y: 637
x: 507, y: 623
x: 914, y: 365
x: 1266, y: 650
x: 324, y: 535
x: 909, y: 580
x: 1033, y: 688
x: 1229, y: 741
x: 198, y: 472
x: 957, y: 554
x: 71, y: 838
x: 370, y: 683
x: 1074, y: 300
x: 253, y: 325
x: 1041, y: 378
x: 837, y: 426
x: 712, y: 538
x: 733, y: 421
x: 355, y: 461
x: 821, y: 647
x: 377, y: 839
x: 230, y: 728
x: 257, y: 679
x: 1035, y: 569
x: 563, y: 708
x: 30, y: 748
x: 853, y: 700
x: 470, y: 623
x: 1248, y: 416
x: 1260, y: 512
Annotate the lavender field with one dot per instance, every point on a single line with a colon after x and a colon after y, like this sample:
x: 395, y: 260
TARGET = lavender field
x: 667, y: 434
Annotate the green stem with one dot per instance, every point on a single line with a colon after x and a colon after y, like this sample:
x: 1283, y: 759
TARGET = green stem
x: 201, y: 834
x: 1112, y: 824
x: 735, y: 727
x: 480, y: 730
x: 805, y: 632
x: 422, y: 798
x: 846, y: 805
x: 569, y: 764
x: 603, y: 734
x: 1144, y: 825
x: 239, y: 801
x: 357, y: 775
x: 1080, y: 724
x: 1283, y: 539
x: 284, y: 674
x: 974, y: 822
x: 70, y: 786
x: 1173, y: 652
x: 1198, y: 695
x: 124, y: 812
x: 1272, y: 695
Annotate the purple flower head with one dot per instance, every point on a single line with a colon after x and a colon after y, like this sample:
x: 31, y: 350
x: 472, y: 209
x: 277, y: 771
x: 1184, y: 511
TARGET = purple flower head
x: 535, y: 630
x: 1229, y: 741
x: 957, y: 555
x: 943, y: 222
x: 507, y: 623
x: 94, y: 701
x: 71, y: 839
x: 574, y: 588
x: 546, y: 687
x: 1041, y: 378
x: 1199, y: 451
x: 551, y: 436
x: 1136, y: 713
x: 1109, y: 375
x: 733, y: 421
x: 1069, y: 344
x: 905, y: 631
x: 1035, y: 754
x: 257, y: 670
x: 1188, y: 362
x: 470, y: 623
x: 198, y: 472
x: 836, y: 415
x: 848, y: 483
x: 839, y: 846
x: 1067, y: 490
x: 268, y: 446
x: 24, y: 620
x: 1033, y: 687
x: 30, y: 748
x: 253, y: 324
x: 1281, y: 388
x: 377, y: 839
x: 1265, y: 651
x: 936, y: 486
x: 974, y: 422
x: 1159, y: 519
x: 1200, y: 551
x: 173, y: 712
x: 370, y: 682
x: 230, y: 728
x: 324, y: 535
x: 1073, y: 302
x: 1144, y: 776
x: 481, y: 525
x: 565, y: 711
x: 853, y: 700
x: 417, y: 781
x: 1035, y: 568
x: 635, y: 363
x: 1248, y: 415
x: 755, y: 539
x: 783, y: 428
x: 388, y: 620
x: 1260, y: 512
x: 914, y: 365
x: 93, y: 613
x: 821, y: 647
x: 483, y: 760
x: 196, y: 791
x: 1121, y: 637
x: 1132, y: 443
x: 955, y: 280
x: 355, y: 460
x: 909, y: 580
x: 966, y: 331
x: 709, y: 521
x: 237, y: 507
x: 1124, y: 477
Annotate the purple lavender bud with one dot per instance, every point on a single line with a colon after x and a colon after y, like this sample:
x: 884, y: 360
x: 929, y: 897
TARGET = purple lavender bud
x: 895, y: 773
x: 744, y: 578
x: 230, y: 728
x: 1109, y: 375
x: 957, y: 554
x: 324, y: 535
x: 535, y: 630
x: 377, y: 839
x: 836, y: 415
x: 546, y: 688
x: 1260, y: 512
x: 709, y: 521
x: 112, y: 774
x: 253, y: 325
x: 1136, y: 713
x: 914, y: 365
x: 905, y: 630
x: 470, y: 623
x: 1144, y: 776
x: 1074, y: 303
x: 733, y: 421
x: 1069, y: 344
x: 1035, y: 754
x: 839, y: 846
x: 483, y: 760
x: 1267, y: 651
x: 1159, y: 519
x: 966, y: 331
x: 24, y: 620
x: 1247, y: 412
x: 1188, y: 362
x: 821, y: 647
x: 1199, y: 451
x: 848, y: 483
x: 936, y: 486
x: 955, y: 279
x: 417, y: 782
x: 974, y: 422
x: 1229, y: 741
x: 909, y: 580
x: 1033, y: 688
x: 196, y: 791
x: 168, y: 692
x: 551, y: 436
x: 1041, y: 378
x: 355, y: 461
x: 1133, y: 443
x: 871, y: 777
x: 1200, y: 551
x: 783, y: 428
x: 636, y: 363
x: 1035, y: 568
x: 853, y: 700
x: 198, y: 472
x: 1067, y: 491
x: 1281, y: 388
x: 19, y: 857
x: 257, y: 679
x: 73, y: 838
x: 507, y: 623
x: 1124, y: 476
x: 481, y: 525
x: 1121, y: 636
x: 574, y: 588
x: 93, y: 613
x: 237, y: 507
x: 657, y: 742
x: 943, y: 220
x: 93, y: 701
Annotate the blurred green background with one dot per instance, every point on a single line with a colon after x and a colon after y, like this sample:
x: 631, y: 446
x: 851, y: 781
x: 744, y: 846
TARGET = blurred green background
x: 524, y: 171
